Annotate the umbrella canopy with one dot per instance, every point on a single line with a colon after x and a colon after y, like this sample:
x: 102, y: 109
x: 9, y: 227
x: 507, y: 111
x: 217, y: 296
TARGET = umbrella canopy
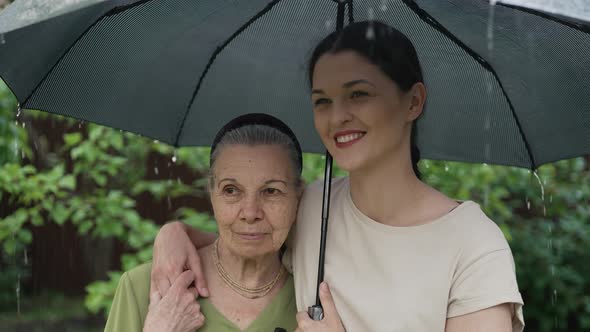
x: 506, y: 85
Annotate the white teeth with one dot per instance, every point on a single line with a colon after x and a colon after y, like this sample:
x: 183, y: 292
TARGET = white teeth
x: 349, y: 137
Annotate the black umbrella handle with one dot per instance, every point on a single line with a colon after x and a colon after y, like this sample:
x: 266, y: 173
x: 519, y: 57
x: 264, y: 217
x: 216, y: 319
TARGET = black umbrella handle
x: 316, y: 312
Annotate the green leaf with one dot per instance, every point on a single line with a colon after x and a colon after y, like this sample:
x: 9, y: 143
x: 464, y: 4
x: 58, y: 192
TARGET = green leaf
x: 25, y: 236
x: 59, y: 213
x: 10, y: 246
x: 68, y: 182
x: 72, y: 139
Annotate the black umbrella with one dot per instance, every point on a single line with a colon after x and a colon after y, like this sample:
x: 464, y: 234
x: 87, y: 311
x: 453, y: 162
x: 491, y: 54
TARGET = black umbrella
x: 507, y: 85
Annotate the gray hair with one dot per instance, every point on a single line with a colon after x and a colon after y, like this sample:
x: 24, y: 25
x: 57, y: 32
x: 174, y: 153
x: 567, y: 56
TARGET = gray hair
x: 253, y: 135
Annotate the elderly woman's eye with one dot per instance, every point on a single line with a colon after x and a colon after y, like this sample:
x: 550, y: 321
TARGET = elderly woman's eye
x: 272, y: 191
x: 230, y: 190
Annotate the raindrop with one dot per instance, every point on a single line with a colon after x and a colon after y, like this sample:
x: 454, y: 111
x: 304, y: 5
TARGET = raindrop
x: 156, y: 170
x: 174, y: 158
x: 156, y: 141
x: 488, y: 151
x: 552, y: 270
x: 18, y: 111
x: 2, y: 39
x: 541, y: 185
x: 178, y: 181
x: 370, y: 33
x: 26, y: 257
x: 329, y: 25
x: 24, y: 124
x: 371, y: 14
x: 446, y: 168
x: 169, y: 203
x: 554, y: 297
x: 486, y: 124
x: 18, y: 294
x: 383, y: 5
x: 528, y: 204
x: 550, y: 198
x: 490, y: 33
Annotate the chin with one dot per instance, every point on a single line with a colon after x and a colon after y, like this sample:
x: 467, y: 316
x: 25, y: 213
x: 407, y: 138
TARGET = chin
x: 349, y: 163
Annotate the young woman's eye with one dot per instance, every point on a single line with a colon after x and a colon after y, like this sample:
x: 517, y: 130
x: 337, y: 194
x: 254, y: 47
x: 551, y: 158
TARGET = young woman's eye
x: 358, y: 94
x: 321, y: 101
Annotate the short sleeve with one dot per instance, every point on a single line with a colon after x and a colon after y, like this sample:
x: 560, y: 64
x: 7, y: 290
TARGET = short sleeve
x: 484, y: 282
x: 124, y: 314
x: 287, y: 258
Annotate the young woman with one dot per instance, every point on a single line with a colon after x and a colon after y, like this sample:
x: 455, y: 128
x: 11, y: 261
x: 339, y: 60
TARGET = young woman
x: 400, y: 256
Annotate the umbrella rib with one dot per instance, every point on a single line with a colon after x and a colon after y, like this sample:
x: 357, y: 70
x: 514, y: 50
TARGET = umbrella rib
x: 426, y: 17
x: 574, y: 25
x: 218, y: 50
x: 106, y: 14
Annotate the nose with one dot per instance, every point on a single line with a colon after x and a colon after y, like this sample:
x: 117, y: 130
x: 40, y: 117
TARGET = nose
x: 251, y: 211
x: 341, y: 113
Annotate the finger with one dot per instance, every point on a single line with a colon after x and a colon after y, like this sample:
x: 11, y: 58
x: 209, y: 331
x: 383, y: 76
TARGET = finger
x: 163, y: 285
x: 194, y: 263
x: 194, y: 292
x: 303, y: 319
x: 155, y: 298
x: 199, y: 321
x: 328, y: 302
x: 183, y: 281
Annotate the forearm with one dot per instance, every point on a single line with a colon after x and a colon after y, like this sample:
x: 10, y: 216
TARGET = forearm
x: 199, y: 238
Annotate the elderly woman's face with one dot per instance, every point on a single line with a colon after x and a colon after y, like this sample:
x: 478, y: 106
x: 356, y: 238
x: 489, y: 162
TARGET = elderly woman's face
x: 254, y: 198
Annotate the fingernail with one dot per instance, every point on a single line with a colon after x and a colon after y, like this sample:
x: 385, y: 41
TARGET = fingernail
x: 203, y: 291
x: 324, y: 287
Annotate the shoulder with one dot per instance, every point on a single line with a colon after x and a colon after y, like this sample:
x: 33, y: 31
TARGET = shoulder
x: 477, y: 229
x: 140, y: 274
x: 475, y: 236
x: 137, y: 281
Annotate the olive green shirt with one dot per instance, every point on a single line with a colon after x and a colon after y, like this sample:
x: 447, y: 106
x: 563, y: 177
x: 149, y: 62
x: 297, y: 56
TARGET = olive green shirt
x: 130, y: 307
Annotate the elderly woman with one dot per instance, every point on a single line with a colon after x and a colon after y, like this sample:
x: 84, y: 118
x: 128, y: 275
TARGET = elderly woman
x: 255, y: 187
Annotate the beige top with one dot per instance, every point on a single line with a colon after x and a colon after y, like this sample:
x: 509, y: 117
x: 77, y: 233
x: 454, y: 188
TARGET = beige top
x: 386, y: 278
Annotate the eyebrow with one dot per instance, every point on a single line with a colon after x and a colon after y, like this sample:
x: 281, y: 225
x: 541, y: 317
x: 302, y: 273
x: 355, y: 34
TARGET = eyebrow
x: 225, y: 179
x: 272, y: 181
x: 266, y: 182
x: 345, y: 85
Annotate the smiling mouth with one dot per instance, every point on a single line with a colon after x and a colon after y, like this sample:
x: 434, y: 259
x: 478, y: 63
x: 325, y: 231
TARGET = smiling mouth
x: 348, y: 139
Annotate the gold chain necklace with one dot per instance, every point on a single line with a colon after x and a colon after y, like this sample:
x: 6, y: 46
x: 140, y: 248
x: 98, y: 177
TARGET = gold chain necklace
x: 247, y: 292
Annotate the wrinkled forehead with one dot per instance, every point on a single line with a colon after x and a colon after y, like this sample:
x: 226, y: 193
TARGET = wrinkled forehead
x: 253, y: 162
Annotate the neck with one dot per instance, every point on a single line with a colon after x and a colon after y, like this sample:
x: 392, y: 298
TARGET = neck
x: 387, y: 191
x: 249, y: 272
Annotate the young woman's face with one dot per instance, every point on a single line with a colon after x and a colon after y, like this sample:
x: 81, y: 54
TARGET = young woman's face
x: 360, y: 114
x: 254, y: 195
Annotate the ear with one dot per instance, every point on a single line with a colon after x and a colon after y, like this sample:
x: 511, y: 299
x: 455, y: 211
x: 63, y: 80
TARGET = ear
x: 417, y: 95
x: 300, y: 188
